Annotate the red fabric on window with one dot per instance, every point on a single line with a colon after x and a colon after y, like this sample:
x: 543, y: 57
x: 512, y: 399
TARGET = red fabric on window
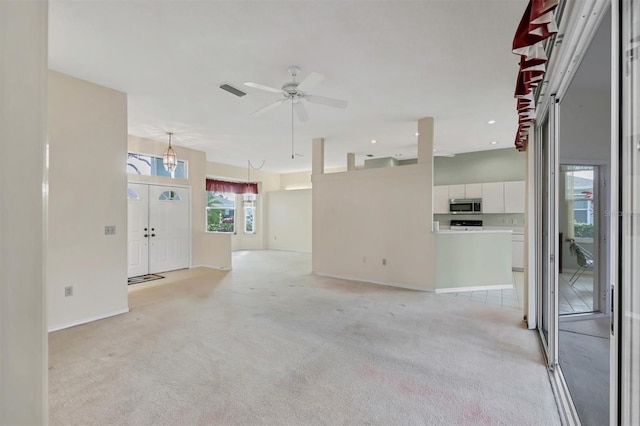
x: 537, y: 24
x: 214, y: 185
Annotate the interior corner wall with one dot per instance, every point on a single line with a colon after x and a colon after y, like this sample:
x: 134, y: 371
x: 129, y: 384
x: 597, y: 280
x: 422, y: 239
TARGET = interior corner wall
x: 289, y: 220
x: 87, y: 191
x: 302, y: 180
x: 209, y: 252
x: 364, y: 218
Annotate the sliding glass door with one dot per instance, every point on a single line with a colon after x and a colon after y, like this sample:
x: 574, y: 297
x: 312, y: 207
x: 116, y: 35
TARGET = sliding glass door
x: 546, y: 224
x: 628, y: 306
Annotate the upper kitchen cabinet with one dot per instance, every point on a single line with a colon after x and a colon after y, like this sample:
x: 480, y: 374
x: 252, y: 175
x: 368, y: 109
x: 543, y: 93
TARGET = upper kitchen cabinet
x: 514, y: 197
x: 493, y: 197
x: 456, y: 191
x: 470, y: 190
x: 441, y: 199
x: 473, y: 190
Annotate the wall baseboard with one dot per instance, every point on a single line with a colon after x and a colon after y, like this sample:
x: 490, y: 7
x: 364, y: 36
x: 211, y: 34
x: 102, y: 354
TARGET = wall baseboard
x: 220, y: 268
x: 293, y: 250
x: 87, y: 320
x: 360, y: 280
x: 476, y: 288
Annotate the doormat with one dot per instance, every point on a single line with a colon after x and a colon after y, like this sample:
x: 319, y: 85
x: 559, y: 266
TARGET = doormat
x: 143, y: 279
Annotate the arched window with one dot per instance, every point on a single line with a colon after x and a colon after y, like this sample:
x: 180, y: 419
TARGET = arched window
x: 170, y: 196
x: 132, y: 195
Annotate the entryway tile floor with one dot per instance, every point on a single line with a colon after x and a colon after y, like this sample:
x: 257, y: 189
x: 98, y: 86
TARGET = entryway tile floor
x: 510, y: 299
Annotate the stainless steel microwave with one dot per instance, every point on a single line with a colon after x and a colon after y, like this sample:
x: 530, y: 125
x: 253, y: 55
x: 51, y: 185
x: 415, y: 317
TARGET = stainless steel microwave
x: 468, y: 206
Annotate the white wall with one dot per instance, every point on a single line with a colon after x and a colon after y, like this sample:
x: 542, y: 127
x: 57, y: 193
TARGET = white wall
x: 302, y: 180
x: 289, y: 220
x: 201, y: 246
x: 213, y: 250
x: 87, y: 190
x: 23, y: 107
x: 364, y: 216
x: 585, y: 126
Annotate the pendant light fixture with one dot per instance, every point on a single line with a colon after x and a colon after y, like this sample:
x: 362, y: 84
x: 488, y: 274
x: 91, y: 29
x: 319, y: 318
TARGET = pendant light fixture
x: 169, y: 158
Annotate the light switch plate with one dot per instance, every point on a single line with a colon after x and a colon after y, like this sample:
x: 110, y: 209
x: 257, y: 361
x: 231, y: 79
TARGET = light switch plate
x: 110, y: 230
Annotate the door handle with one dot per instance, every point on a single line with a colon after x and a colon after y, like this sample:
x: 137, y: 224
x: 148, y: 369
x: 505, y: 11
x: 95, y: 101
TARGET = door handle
x: 146, y: 235
x: 153, y: 235
x: 145, y: 229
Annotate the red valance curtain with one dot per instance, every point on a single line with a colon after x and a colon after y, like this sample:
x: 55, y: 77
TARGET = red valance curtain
x: 214, y: 185
x: 537, y: 24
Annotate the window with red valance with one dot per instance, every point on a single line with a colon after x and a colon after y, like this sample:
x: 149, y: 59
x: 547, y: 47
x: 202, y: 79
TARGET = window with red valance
x: 215, y: 185
x: 537, y: 24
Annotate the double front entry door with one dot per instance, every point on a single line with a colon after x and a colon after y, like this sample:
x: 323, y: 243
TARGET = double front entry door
x: 158, y: 229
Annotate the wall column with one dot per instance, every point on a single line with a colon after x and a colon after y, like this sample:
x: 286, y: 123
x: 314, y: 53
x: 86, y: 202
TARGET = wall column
x: 23, y: 132
x: 425, y: 140
x: 351, y: 161
x: 317, y: 163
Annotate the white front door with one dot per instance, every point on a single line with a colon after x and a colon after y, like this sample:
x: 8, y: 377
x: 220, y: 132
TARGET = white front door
x: 169, y: 228
x: 158, y: 229
x: 138, y: 229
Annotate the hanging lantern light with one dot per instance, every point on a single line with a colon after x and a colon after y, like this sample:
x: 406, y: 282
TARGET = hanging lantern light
x: 169, y: 158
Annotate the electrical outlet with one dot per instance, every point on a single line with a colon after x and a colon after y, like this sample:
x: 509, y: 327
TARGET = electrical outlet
x: 68, y: 291
x: 384, y: 262
x: 110, y: 230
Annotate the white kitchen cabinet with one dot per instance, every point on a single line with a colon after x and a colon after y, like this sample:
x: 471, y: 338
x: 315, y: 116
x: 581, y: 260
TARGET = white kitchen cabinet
x: 514, y: 197
x: 441, y: 199
x: 493, y: 197
x: 473, y: 190
x: 456, y: 191
x: 517, y: 252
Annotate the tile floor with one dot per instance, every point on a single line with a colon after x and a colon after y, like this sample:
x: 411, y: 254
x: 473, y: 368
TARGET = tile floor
x: 571, y: 299
x: 510, y: 299
x: 576, y: 298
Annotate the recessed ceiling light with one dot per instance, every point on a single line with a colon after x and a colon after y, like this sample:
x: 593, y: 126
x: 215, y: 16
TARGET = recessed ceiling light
x: 374, y: 141
x: 492, y: 121
x: 435, y: 150
x: 494, y: 142
x: 417, y: 134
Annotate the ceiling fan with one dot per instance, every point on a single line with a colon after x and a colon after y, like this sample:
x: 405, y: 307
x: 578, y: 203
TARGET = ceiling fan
x: 296, y: 92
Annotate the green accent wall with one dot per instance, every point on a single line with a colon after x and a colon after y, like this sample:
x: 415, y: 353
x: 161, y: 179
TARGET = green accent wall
x: 496, y: 165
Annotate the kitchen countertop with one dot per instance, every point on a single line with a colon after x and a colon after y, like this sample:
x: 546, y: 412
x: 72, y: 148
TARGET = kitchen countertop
x: 483, y: 231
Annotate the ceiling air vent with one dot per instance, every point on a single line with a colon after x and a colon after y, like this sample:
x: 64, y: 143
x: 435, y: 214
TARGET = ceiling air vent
x: 232, y: 90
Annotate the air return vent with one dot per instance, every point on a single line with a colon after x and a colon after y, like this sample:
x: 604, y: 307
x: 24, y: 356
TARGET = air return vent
x: 232, y: 90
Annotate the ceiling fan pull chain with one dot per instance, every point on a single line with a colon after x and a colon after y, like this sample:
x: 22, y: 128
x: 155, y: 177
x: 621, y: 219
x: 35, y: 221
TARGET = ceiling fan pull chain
x: 292, y: 150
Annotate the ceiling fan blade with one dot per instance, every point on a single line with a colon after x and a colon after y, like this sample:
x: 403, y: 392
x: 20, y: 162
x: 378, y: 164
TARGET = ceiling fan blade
x: 262, y: 87
x: 268, y: 107
x: 301, y: 111
x: 338, y: 103
x: 311, y: 81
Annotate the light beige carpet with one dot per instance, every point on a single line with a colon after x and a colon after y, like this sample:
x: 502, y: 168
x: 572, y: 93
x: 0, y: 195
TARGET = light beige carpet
x: 270, y: 344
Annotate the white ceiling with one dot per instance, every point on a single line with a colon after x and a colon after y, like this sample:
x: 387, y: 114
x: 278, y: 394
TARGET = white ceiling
x: 393, y: 61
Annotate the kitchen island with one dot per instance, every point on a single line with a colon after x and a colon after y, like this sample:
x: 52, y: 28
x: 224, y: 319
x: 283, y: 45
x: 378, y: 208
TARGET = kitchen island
x: 473, y: 260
